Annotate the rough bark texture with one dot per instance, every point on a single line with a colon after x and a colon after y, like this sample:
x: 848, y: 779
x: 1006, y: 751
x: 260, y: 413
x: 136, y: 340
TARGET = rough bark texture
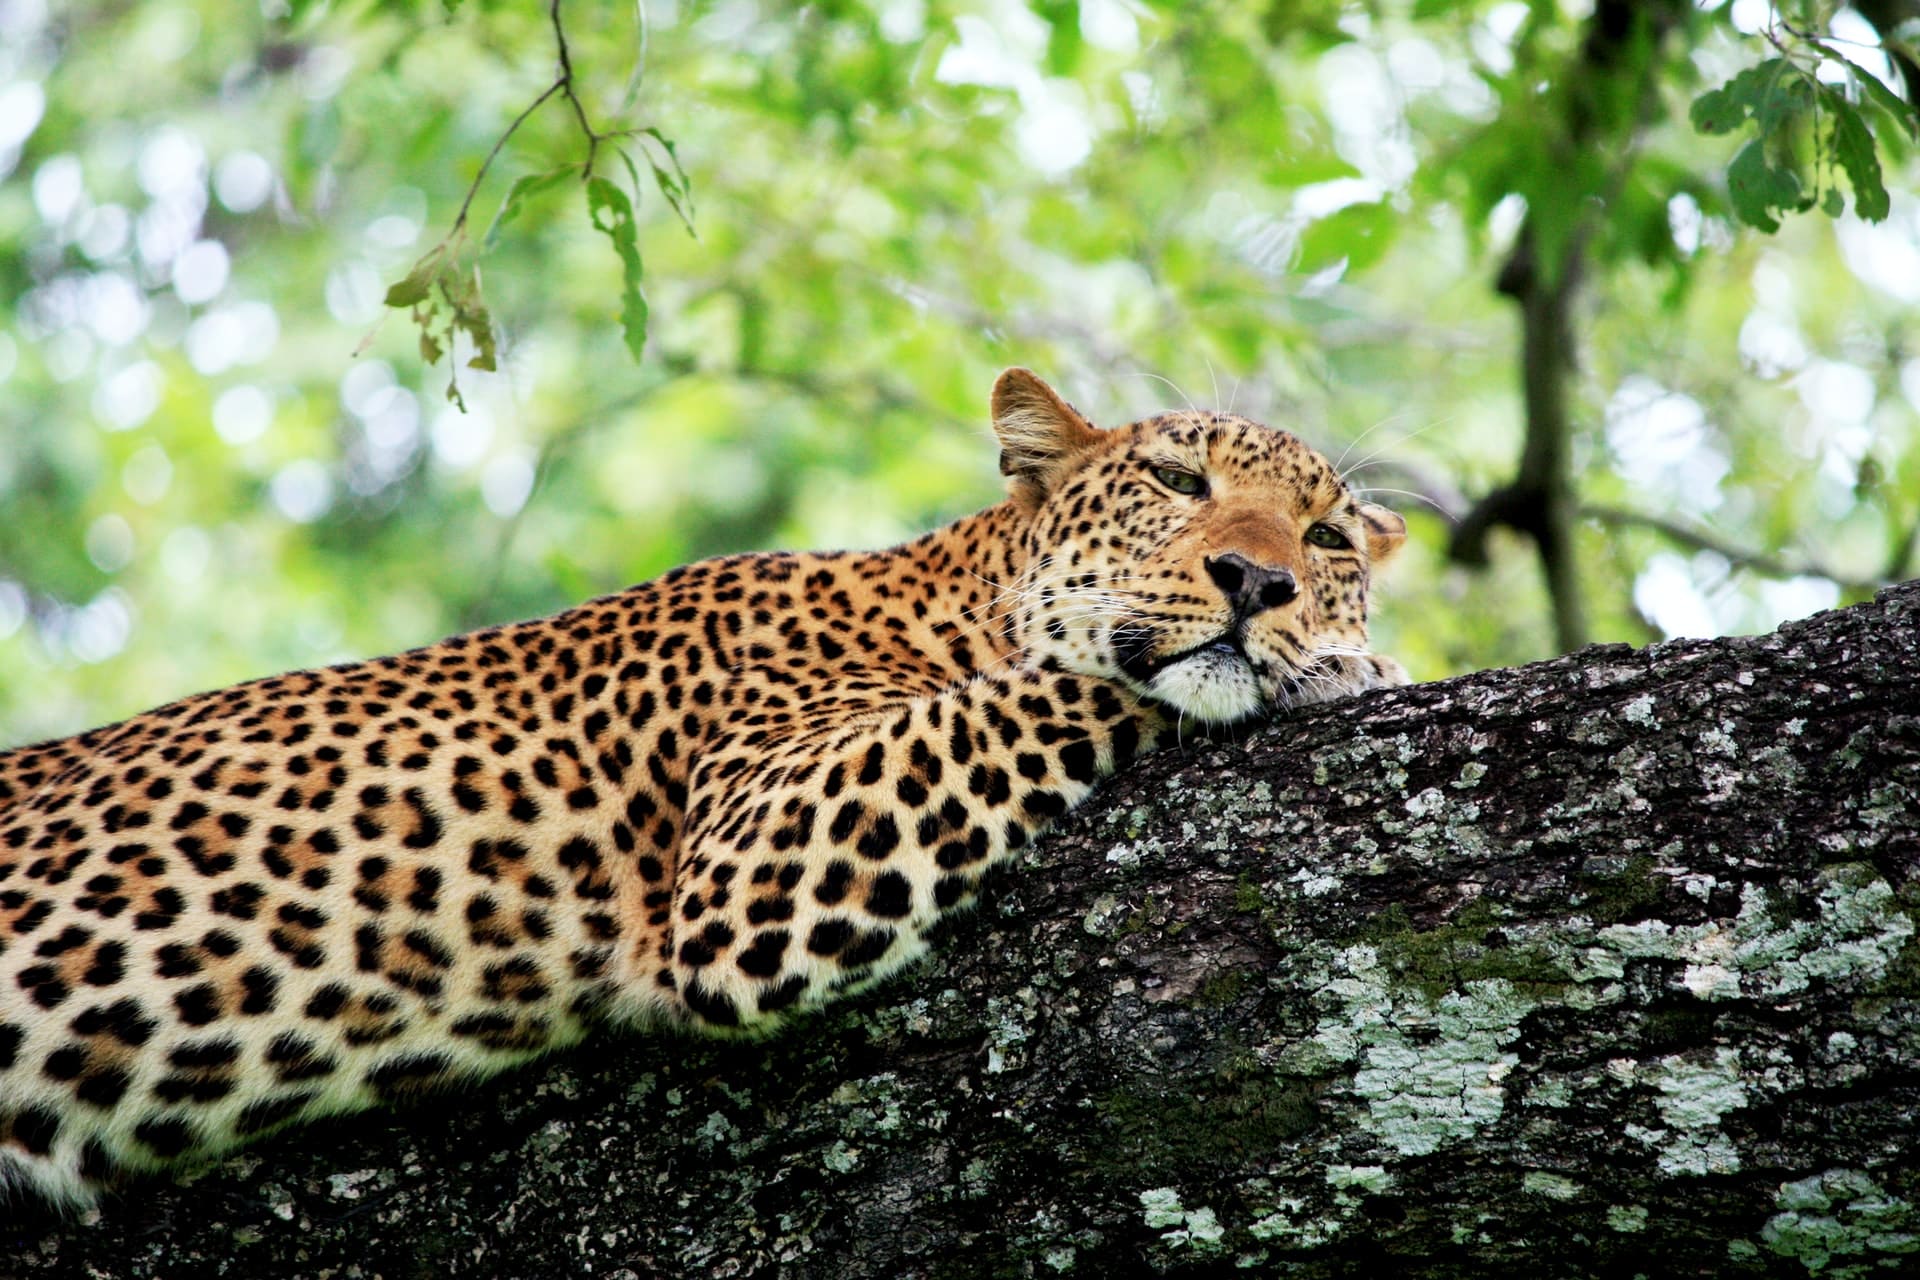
x: 1597, y: 966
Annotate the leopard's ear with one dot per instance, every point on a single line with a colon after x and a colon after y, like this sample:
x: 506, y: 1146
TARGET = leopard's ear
x: 1041, y: 435
x: 1386, y: 531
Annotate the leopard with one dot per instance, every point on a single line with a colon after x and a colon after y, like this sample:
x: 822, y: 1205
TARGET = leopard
x: 707, y: 803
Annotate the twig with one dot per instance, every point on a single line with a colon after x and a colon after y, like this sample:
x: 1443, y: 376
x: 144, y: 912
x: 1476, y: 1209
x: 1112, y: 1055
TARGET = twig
x: 1699, y: 540
x: 565, y: 85
x: 460, y: 219
x: 562, y: 84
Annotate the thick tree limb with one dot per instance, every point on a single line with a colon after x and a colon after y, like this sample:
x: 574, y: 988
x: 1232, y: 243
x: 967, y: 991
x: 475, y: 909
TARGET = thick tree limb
x: 1602, y: 965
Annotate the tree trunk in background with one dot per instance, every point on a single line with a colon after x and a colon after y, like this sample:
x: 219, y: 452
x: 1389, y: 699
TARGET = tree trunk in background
x: 1601, y: 965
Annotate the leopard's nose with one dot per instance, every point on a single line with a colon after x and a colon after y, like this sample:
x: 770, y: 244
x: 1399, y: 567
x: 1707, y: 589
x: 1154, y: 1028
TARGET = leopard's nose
x: 1251, y: 588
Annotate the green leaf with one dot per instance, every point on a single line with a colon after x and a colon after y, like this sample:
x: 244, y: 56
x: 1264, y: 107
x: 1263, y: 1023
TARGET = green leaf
x: 478, y: 324
x: 1758, y: 188
x: 675, y: 185
x: 470, y: 316
x: 1360, y: 233
x: 1288, y: 167
x: 1719, y: 110
x: 524, y: 188
x: 612, y: 214
x: 1853, y: 148
x: 1772, y: 94
x: 1904, y: 113
x: 413, y: 290
x: 1725, y: 109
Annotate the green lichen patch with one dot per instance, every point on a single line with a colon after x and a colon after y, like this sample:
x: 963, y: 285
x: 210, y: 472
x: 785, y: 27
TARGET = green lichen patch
x: 1841, y: 1223
x: 1197, y: 1230
x: 1851, y: 927
x: 1856, y: 927
x: 1902, y: 976
x: 1691, y: 1096
x: 1370, y: 1178
x: 1293, y: 1224
x: 1290, y: 1219
x: 1428, y: 1070
x: 1423, y: 1094
x: 1627, y: 1218
x: 1549, y: 1185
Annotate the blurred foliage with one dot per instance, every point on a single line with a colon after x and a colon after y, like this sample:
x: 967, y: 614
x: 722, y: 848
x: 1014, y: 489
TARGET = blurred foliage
x: 1295, y: 210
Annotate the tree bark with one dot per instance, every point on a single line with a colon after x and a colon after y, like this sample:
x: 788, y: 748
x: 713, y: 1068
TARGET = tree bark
x: 1601, y: 965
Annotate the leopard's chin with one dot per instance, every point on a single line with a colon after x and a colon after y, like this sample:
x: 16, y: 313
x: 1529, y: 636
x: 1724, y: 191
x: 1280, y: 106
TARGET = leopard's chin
x: 1214, y: 684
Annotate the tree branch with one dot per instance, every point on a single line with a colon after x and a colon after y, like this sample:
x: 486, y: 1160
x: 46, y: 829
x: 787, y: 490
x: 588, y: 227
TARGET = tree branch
x: 460, y: 219
x: 1612, y: 957
x: 1540, y: 500
x: 1699, y: 540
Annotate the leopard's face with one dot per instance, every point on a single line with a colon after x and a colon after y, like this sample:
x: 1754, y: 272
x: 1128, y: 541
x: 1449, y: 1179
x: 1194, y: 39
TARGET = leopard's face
x: 1214, y: 565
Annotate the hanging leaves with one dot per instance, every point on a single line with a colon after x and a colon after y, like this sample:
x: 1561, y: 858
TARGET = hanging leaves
x: 1805, y: 130
x: 612, y: 215
x: 1772, y: 94
x: 611, y: 211
x: 443, y: 279
x: 524, y: 188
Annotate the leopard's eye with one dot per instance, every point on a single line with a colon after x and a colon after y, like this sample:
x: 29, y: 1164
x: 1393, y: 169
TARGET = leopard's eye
x: 1181, y: 481
x: 1325, y: 535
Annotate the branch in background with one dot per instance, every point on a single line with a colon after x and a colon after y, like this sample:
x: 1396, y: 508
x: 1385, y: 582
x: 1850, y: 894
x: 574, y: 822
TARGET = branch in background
x: 1540, y: 500
x: 445, y: 276
x: 1698, y: 540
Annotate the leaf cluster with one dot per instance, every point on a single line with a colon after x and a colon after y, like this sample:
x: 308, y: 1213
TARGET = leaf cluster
x: 1805, y: 129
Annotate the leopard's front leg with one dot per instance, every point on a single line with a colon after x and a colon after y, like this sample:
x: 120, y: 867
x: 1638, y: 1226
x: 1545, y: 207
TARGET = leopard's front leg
x: 815, y: 867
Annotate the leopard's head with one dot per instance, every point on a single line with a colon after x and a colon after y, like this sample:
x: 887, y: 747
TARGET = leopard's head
x: 1212, y: 564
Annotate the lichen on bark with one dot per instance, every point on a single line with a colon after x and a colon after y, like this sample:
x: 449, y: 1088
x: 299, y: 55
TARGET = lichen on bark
x: 1609, y: 961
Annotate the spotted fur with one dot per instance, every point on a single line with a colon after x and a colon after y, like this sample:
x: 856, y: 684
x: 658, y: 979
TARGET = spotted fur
x: 711, y: 800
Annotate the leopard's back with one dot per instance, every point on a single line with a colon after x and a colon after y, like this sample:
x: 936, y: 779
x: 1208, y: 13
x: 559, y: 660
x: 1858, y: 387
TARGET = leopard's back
x: 322, y: 890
